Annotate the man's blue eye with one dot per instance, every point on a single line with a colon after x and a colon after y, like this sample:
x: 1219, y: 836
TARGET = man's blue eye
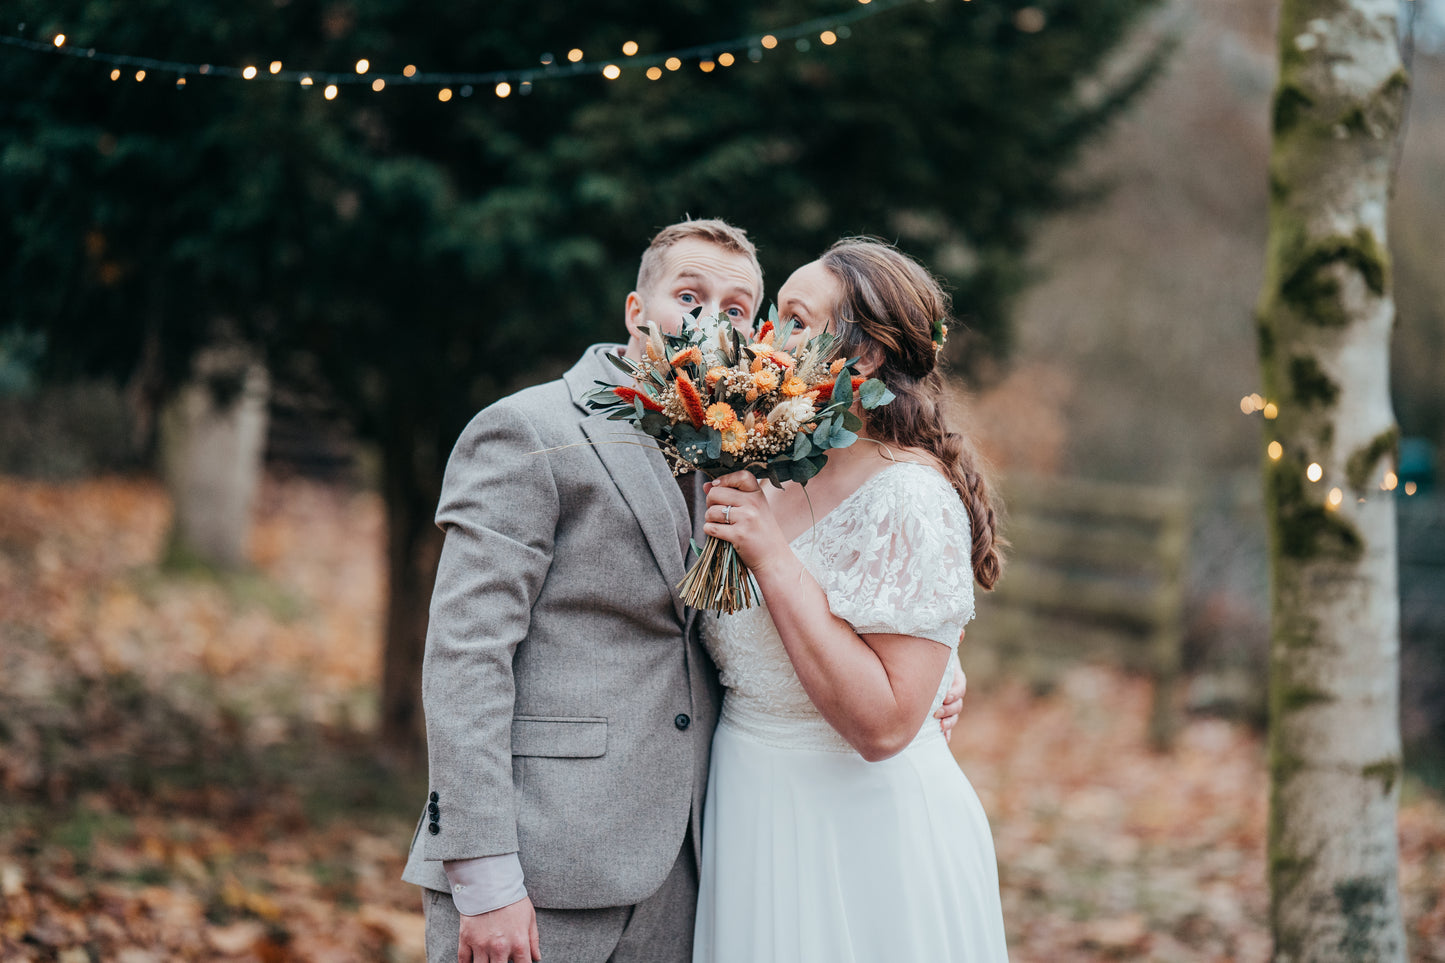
x: 735, y: 312
x: 687, y: 299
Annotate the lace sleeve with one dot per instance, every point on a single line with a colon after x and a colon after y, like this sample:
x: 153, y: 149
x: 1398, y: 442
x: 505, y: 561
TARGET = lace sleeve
x: 908, y: 568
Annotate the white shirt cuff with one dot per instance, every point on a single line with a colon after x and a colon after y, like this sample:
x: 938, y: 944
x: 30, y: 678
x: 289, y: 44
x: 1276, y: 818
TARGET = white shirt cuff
x: 485, y: 883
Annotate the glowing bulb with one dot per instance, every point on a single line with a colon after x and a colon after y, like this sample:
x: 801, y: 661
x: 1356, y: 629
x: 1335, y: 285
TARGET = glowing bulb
x: 706, y: 66
x: 1271, y: 410
x: 828, y: 37
x: 1276, y: 450
x: 275, y: 66
x: 1246, y: 404
x: 180, y: 81
x: 1409, y: 488
x: 1257, y: 400
x: 503, y: 89
x: 307, y: 81
x: 330, y: 91
x: 1314, y: 472
x: 249, y: 73
x: 140, y: 75
x: 363, y: 65
x: 1336, y: 496
x: 575, y: 54
x: 612, y: 71
x: 409, y: 70
x: 672, y: 63
x: 654, y: 73
x: 445, y: 94
x: 1391, y: 481
x: 865, y: 2
x: 60, y: 40
x: 630, y: 48
x: 378, y: 85
x: 115, y: 74
x: 769, y: 41
x: 726, y: 59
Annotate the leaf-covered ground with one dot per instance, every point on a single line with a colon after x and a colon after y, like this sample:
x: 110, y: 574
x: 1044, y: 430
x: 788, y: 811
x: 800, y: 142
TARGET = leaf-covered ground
x: 185, y: 772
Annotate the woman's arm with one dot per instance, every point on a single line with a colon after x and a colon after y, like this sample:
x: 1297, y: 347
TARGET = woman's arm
x: 876, y: 689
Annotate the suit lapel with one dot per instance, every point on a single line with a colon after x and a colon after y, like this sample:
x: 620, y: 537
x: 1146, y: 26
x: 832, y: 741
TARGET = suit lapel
x: 639, y: 470
x: 642, y: 476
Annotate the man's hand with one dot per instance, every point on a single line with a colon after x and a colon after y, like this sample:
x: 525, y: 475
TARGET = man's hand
x: 506, y: 935
x: 948, y: 713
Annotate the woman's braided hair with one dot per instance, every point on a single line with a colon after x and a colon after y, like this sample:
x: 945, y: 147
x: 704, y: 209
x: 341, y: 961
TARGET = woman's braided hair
x: 894, y: 310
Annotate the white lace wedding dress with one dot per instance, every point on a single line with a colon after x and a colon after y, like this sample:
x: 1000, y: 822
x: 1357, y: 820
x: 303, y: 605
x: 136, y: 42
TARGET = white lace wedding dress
x: 811, y: 853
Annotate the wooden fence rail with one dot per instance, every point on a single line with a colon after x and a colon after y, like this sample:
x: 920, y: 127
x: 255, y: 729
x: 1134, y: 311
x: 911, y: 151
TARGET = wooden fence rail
x: 1094, y: 573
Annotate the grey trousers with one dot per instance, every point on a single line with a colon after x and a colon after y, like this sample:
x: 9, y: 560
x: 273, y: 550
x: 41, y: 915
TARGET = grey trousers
x: 656, y: 930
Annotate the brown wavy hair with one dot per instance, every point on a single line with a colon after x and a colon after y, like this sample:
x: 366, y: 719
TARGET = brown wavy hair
x: 888, y: 312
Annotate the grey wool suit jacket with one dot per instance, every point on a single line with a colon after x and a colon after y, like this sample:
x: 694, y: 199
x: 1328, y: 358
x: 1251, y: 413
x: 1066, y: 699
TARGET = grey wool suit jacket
x: 569, y: 703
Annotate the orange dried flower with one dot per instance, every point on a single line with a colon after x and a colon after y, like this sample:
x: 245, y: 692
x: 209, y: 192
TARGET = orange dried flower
x: 765, y: 380
x: 764, y: 331
x: 794, y: 387
x: 716, y: 374
x: 688, y: 356
x: 734, y: 438
x: 691, y: 400
x: 630, y: 395
x: 720, y: 416
x: 825, y: 390
x: 759, y: 363
x: 837, y: 366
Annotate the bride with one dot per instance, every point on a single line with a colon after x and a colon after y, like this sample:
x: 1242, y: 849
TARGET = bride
x: 838, y: 827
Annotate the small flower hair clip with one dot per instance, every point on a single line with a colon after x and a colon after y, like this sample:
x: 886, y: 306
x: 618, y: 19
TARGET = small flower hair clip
x: 940, y: 334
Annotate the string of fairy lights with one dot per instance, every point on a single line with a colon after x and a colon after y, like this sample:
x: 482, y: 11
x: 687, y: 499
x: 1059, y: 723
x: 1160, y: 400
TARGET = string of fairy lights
x: 1256, y: 404
x: 708, y: 57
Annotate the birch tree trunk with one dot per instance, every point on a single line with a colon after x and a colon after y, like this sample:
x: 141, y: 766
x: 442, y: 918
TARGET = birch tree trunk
x: 1324, y: 331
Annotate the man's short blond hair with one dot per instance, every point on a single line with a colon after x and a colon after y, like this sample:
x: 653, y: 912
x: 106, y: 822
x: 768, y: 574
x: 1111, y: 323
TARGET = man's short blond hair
x: 712, y: 230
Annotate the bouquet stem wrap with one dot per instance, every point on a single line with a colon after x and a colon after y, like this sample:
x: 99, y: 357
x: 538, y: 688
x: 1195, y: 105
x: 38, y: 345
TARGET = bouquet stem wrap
x: 718, y: 580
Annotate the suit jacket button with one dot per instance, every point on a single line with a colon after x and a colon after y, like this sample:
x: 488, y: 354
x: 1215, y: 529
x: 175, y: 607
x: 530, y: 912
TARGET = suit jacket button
x: 433, y: 829
x: 435, y: 798
x: 682, y: 721
x: 432, y: 808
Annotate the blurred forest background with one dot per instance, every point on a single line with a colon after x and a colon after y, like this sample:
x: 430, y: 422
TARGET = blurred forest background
x: 245, y: 324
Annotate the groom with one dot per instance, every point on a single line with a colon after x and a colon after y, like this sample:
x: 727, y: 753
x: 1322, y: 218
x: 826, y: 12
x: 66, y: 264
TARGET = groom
x: 569, y: 703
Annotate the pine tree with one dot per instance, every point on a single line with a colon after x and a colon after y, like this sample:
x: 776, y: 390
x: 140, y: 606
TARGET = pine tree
x: 417, y: 258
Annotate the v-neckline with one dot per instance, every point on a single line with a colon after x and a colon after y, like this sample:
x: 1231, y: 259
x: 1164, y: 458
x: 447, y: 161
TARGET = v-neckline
x: 849, y: 497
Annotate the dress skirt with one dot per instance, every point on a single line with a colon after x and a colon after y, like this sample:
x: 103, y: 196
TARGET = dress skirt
x: 816, y: 855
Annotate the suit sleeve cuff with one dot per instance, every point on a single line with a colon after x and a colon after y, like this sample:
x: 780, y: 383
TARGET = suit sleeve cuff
x: 485, y: 883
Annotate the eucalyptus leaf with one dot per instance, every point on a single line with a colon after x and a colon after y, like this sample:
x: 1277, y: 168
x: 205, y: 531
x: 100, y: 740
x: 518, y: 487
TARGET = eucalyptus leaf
x: 874, y: 394
x: 802, y: 447
x: 851, y: 421
x: 654, y: 423
x: 804, y: 469
x: 842, y: 438
x: 714, y: 443
x: 843, y: 389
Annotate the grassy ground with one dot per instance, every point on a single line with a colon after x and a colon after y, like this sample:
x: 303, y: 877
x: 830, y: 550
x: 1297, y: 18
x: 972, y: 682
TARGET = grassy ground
x: 185, y: 772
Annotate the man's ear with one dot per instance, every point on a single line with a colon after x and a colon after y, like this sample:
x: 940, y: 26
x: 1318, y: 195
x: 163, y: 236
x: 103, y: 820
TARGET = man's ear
x: 634, y: 313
